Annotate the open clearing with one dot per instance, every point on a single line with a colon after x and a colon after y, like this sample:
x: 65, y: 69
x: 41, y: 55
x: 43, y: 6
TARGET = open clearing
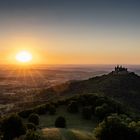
x: 73, y: 121
x: 65, y: 134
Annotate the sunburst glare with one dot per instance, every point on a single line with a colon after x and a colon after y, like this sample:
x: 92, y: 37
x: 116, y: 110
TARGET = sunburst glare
x: 24, y: 56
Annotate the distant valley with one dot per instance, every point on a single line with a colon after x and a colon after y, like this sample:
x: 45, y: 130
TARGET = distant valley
x: 19, y: 86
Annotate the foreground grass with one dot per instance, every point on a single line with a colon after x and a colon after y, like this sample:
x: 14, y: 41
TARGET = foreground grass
x: 65, y: 134
x: 74, y: 121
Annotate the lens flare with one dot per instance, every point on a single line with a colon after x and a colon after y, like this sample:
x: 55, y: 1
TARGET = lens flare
x: 24, y: 57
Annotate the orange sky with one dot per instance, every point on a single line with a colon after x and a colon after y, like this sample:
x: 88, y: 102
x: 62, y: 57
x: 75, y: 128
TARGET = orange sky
x: 61, y: 50
x: 70, y: 32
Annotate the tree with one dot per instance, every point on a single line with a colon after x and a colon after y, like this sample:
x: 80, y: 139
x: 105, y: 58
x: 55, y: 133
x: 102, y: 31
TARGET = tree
x: 135, y: 129
x: 113, y: 128
x: 12, y: 127
x: 60, y: 122
x: 25, y: 113
x: 52, y: 110
x: 32, y: 135
x: 31, y: 126
x: 73, y: 107
x: 102, y: 111
x: 34, y: 118
x: 41, y: 110
x: 87, y: 113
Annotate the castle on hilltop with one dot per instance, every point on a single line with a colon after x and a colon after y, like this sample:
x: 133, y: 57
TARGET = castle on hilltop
x: 119, y: 70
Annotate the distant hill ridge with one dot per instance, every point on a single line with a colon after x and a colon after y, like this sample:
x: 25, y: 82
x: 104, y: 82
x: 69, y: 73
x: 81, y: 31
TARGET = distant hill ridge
x: 119, y: 84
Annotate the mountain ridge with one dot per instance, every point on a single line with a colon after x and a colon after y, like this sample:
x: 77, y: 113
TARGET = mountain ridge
x: 125, y: 87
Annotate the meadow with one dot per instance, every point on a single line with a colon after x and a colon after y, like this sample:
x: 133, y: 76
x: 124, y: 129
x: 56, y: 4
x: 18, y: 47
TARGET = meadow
x: 74, y: 121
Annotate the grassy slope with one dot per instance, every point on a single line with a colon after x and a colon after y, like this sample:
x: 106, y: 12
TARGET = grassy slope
x: 74, y: 121
x: 125, y: 88
x: 65, y: 134
x: 77, y: 127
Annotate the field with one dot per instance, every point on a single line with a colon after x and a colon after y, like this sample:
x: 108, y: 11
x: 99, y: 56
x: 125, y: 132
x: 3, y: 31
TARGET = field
x: 77, y: 127
x: 74, y: 121
x: 64, y: 134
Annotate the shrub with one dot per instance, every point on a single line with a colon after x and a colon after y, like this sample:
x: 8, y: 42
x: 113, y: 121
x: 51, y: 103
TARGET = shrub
x: 114, y: 127
x: 100, y: 101
x: 31, y: 126
x: 82, y: 101
x: 87, y: 113
x: 12, y: 127
x: 87, y: 100
x: 52, y: 110
x: 34, y: 118
x: 47, y: 106
x: 25, y: 113
x: 73, y: 107
x: 40, y: 110
x: 135, y: 129
x: 32, y: 135
x: 102, y: 111
x: 62, y: 102
x: 60, y: 122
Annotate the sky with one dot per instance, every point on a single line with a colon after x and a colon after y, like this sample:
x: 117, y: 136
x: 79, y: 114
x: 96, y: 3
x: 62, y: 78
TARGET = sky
x: 71, y: 31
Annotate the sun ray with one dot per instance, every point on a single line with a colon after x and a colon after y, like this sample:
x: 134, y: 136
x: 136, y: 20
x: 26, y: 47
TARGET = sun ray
x: 23, y: 57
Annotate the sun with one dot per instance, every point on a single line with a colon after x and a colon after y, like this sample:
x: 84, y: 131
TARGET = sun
x: 24, y: 56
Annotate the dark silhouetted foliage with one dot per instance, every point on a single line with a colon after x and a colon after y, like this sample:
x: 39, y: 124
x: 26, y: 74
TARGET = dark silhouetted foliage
x: 134, y: 130
x: 87, y: 113
x: 25, y: 113
x: 52, y: 110
x: 12, y: 127
x: 31, y: 126
x: 117, y: 128
x: 34, y: 118
x: 60, y: 122
x: 102, y: 111
x: 73, y: 107
x: 40, y: 110
x: 32, y: 135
